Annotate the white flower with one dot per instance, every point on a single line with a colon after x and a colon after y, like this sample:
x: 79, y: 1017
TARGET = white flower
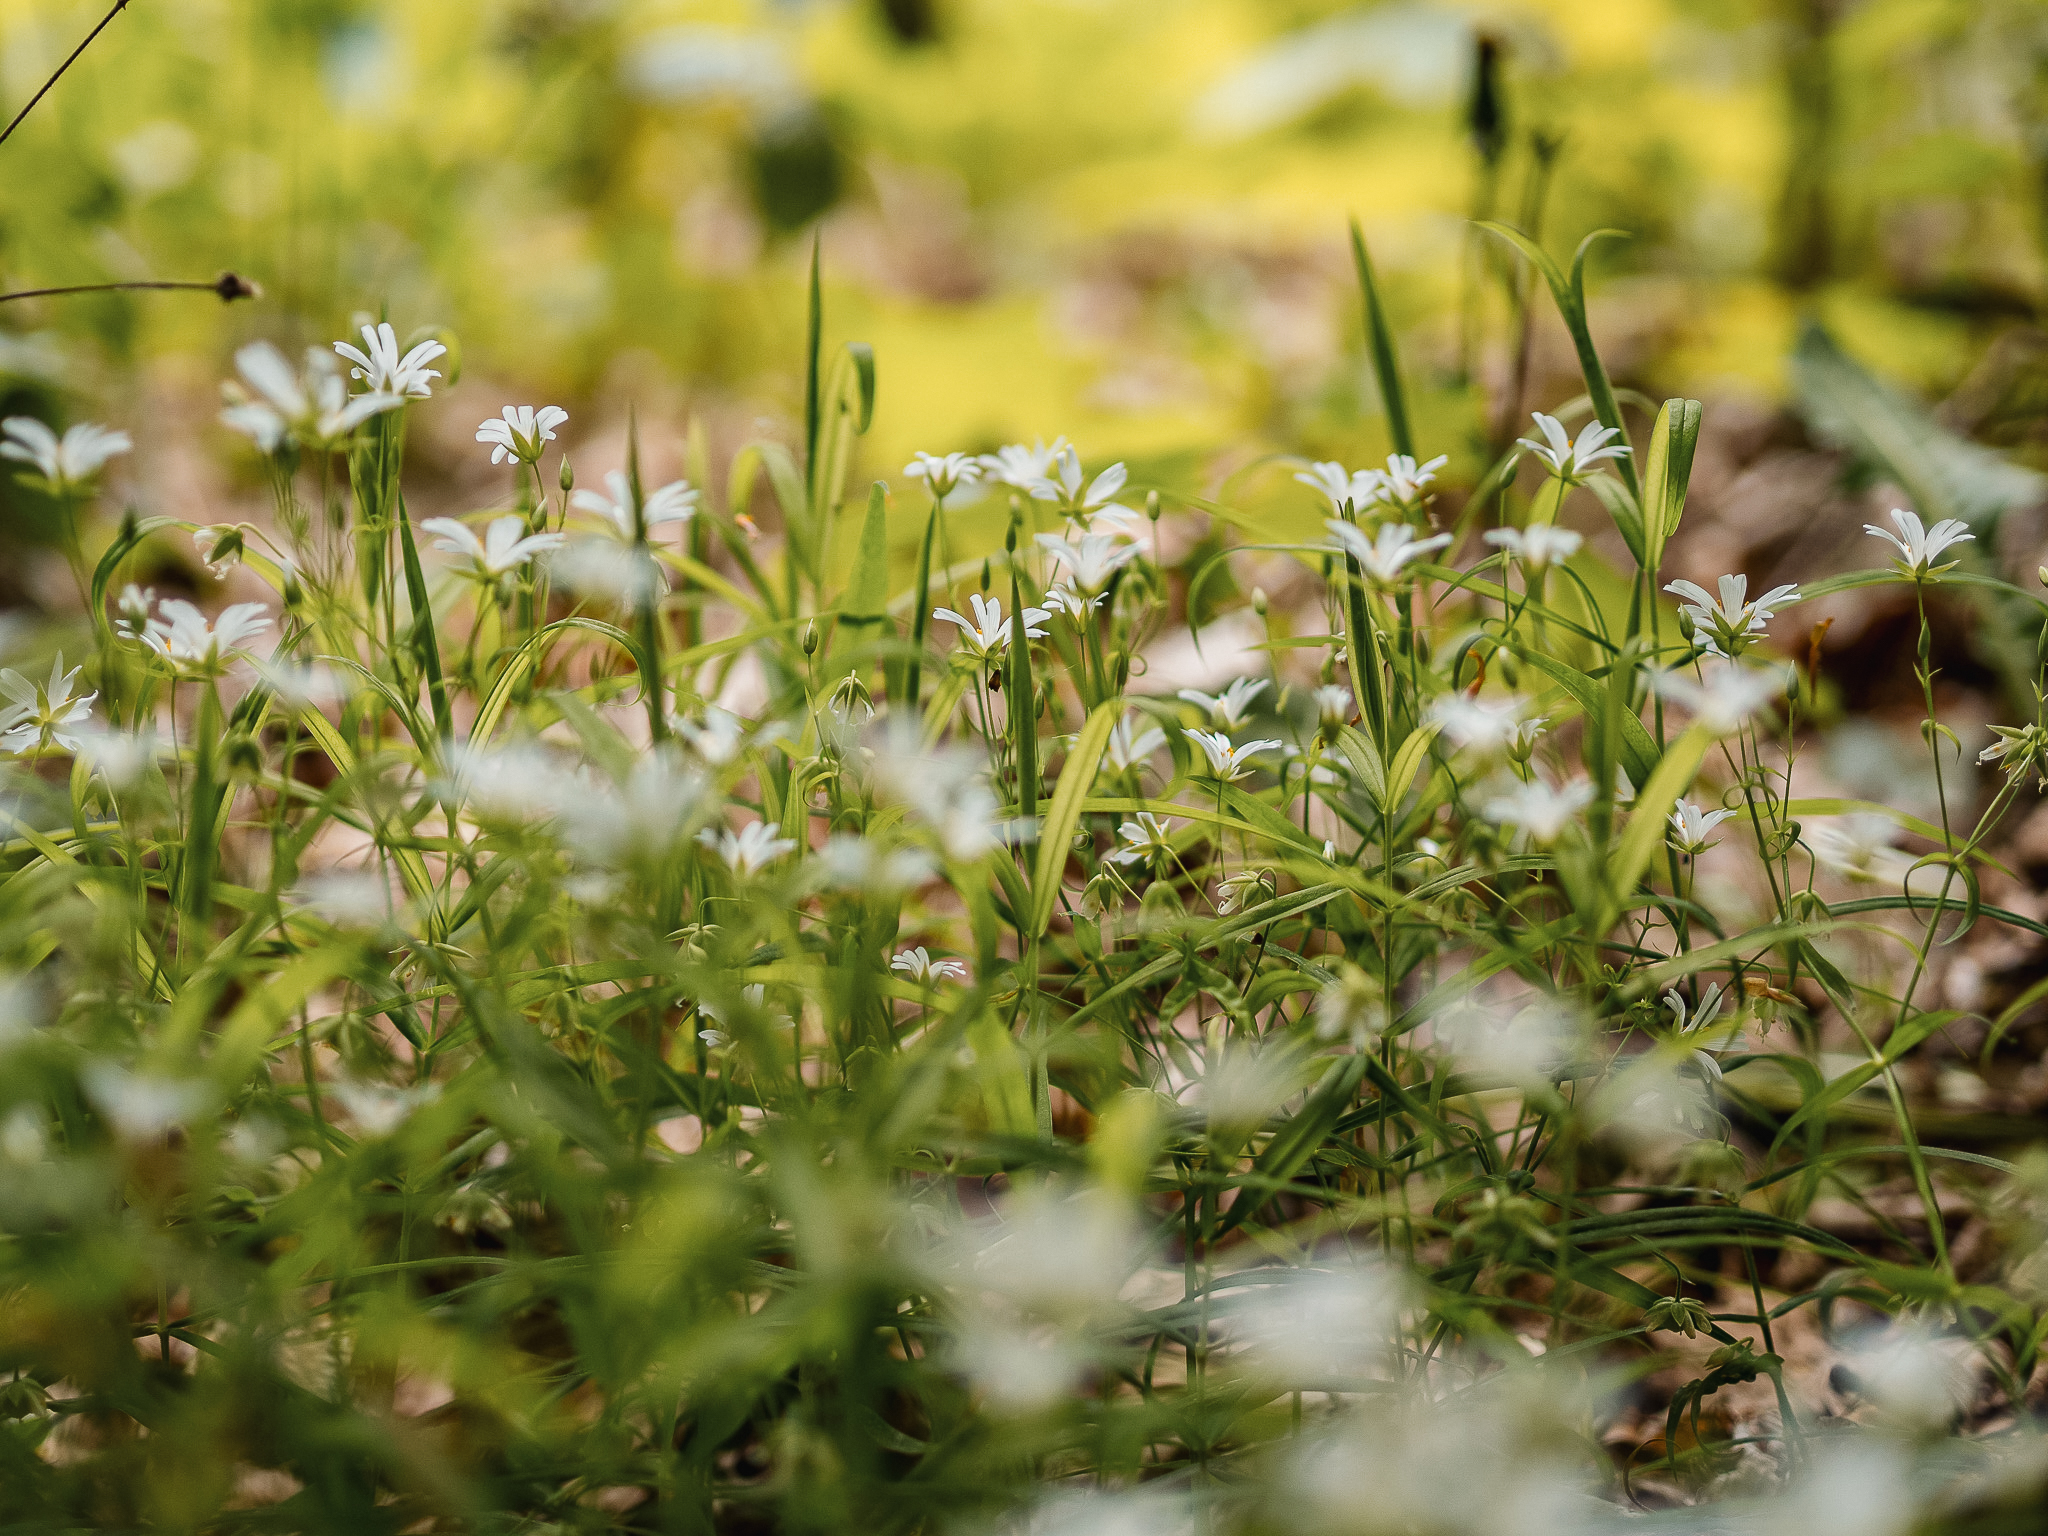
x: 1539, y: 810
x: 1226, y: 762
x: 1858, y: 846
x: 1149, y: 839
x: 43, y: 714
x: 1538, y: 546
x: 1918, y: 547
x: 65, y: 463
x: 1726, y: 698
x: 515, y: 784
x: 942, y: 472
x: 922, y: 968
x: 119, y: 757
x: 520, y: 432
x: 718, y: 738
x: 641, y: 820
x: 1092, y: 561
x: 1130, y: 747
x: 1383, y: 556
x: 347, y: 898
x: 1691, y: 1021
x: 220, y: 548
x: 675, y: 502
x: 501, y: 549
x: 384, y: 371
x: 1063, y: 599
x: 181, y: 635
x: 850, y: 863
x: 1725, y: 626
x: 1359, y: 490
x: 988, y: 633
x: 1062, y: 485
x: 1570, y: 460
x: 134, y: 604
x: 1406, y: 480
x: 752, y: 850
x: 1226, y: 710
x: 1486, y: 725
x: 1020, y: 467
x: 1333, y: 705
x: 1690, y: 827
x: 139, y: 1107
x: 317, y: 408
x: 2016, y: 748
x: 1239, y: 890
x: 378, y: 1110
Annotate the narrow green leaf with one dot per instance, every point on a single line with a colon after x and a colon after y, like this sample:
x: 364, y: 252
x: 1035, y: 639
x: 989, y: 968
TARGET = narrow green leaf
x: 1386, y: 364
x: 1647, y: 824
x: 867, y: 594
x: 1077, y: 777
x: 1365, y: 762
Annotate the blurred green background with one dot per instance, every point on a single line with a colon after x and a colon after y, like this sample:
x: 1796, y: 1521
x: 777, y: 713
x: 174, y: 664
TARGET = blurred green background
x: 1118, y: 219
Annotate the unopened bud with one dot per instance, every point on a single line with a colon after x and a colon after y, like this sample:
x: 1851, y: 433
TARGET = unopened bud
x: 811, y: 638
x: 1259, y: 601
x: 568, y: 475
x: 294, y: 592
x: 984, y: 575
x: 1152, y: 505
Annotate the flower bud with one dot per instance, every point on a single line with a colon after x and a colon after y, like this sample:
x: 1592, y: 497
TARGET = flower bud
x: 1259, y: 601
x: 1152, y: 505
x: 811, y: 638
x: 568, y: 475
x: 243, y: 755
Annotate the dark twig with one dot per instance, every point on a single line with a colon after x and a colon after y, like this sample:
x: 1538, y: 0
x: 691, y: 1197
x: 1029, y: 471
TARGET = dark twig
x: 119, y: 7
x: 228, y: 286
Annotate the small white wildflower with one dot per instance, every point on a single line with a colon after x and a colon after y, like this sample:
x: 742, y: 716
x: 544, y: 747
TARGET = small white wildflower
x: 1020, y: 467
x: 920, y: 967
x: 1351, y: 1007
x: 135, y: 604
x: 717, y: 738
x: 1480, y: 725
x: 1692, y: 1020
x: 377, y: 1110
x: 1406, y: 480
x: 675, y: 502
x: 1691, y: 826
x: 1569, y: 460
x: 1358, y: 490
x: 850, y: 863
x: 1726, y: 626
x: 1920, y: 547
x: 1539, y: 810
x: 520, y: 432
x: 1385, y: 555
x: 1130, y: 747
x: 139, y: 1106
x: 1240, y: 890
x: 1096, y: 507
x: 988, y: 634
x: 1538, y: 547
x: 749, y: 851
x: 348, y: 898
x: 380, y: 367
x: 1226, y: 710
x: 1226, y: 762
x: 220, y: 548
x: 504, y: 547
x: 1147, y: 840
x: 44, y: 714
x: 1090, y: 562
x: 65, y: 464
x: 316, y: 408
x: 1726, y: 698
x: 1063, y: 599
x: 942, y: 473
x: 1333, y: 706
x: 180, y: 633
x: 1858, y: 846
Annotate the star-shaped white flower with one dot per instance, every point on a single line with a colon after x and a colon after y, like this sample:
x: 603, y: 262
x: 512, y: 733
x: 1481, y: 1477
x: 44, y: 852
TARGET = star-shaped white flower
x: 675, y: 502
x: 1386, y: 554
x: 1062, y: 598
x: 504, y: 547
x: 1357, y: 489
x: 315, y: 409
x: 1726, y: 626
x: 1226, y: 710
x: 943, y: 472
x: 1920, y: 547
x: 1092, y: 560
x: 1062, y: 485
x: 1406, y: 480
x: 43, y: 714
x: 1227, y: 762
x: 1539, y: 810
x: 1727, y: 696
x: 754, y: 848
x: 1538, y: 547
x: 65, y: 463
x: 1020, y: 467
x: 181, y: 635
x: 1333, y: 705
x: 1130, y: 747
x: 521, y: 432
x: 1569, y: 460
x: 1689, y: 1021
x: 988, y: 633
x: 1484, y: 725
x: 920, y: 967
x: 379, y: 365
x: 1692, y: 826
x: 1146, y: 840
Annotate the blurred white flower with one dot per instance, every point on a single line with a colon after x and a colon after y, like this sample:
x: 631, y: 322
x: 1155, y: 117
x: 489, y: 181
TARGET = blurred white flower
x: 314, y: 408
x: 1569, y: 460
x: 504, y: 547
x: 1689, y: 1019
x: 1091, y: 561
x: 1539, y: 810
x: 753, y: 848
x: 1147, y: 840
x: 1859, y: 846
x: 378, y: 1110
x: 1481, y: 725
x: 988, y: 634
x: 23, y: 1138
x: 1526, y: 1048
x: 520, y: 432
x: 1918, y: 547
x: 1226, y: 710
x: 946, y: 790
x: 1537, y: 547
x: 381, y: 368
x: 1387, y: 553
x: 347, y: 898
x: 1359, y: 490
x: 717, y: 738
x: 65, y: 464
x: 519, y: 783
x: 642, y: 820
x: 44, y: 714
x: 141, y: 1106
x: 1691, y: 826
x: 1405, y: 480
x: 1242, y: 1086
x: 603, y: 567
x: 1226, y: 762
x: 1351, y: 1006
x: 1333, y: 705
x: 942, y: 472
x: 675, y: 502
x: 920, y: 967
x: 119, y: 757
x: 1063, y: 599
x: 1022, y: 468
x: 1062, y: 486
x: 1130, y: 747
x: 850, y: 863
x: 1726, y: 626
x: 1849, y: 1487
x: 1016, y: 1367
x: 1918, y: 1381
x: 181, y: 634
x: 1062, y: 1258
x: 1726, y: 697
x: 1317, y: 1328
x: 134, y: 604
